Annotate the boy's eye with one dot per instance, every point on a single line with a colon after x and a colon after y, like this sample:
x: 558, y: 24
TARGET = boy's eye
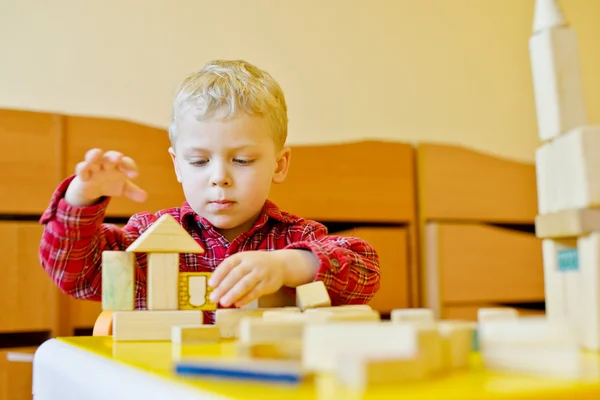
x: 198, y: 163
x: 242, y: 161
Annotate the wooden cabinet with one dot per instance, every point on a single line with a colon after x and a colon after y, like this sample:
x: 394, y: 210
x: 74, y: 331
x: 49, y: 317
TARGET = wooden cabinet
x: 467, y: 259
x: 30, y: 151
x: 479, y: 263
x: 16, y: 376
x: 27, y: 295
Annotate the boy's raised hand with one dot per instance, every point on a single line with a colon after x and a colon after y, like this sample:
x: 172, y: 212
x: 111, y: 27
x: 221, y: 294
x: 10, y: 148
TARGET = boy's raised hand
x: 104, y: 174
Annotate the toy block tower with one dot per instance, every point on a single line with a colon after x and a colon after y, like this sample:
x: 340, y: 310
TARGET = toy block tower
x: 568, y: 178
x: 173, y: 298
x: 163, y: 242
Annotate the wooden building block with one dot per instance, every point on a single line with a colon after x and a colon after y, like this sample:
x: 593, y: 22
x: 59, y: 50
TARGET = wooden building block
x: 192, y: 334
x: 279, y: 299
x: 527, y: 332
x: 118, y: 280
x: 589, y: 288
x: 360, y: 371
x: 457, y: 343
x: 282, y: 371
x: 151, y: 325
x: 342, y: 308
x: 258, y: 330
x: 355, y: 315
x: 287, y: 349
x: 547, y: 189
x: 323, y: 343
x: 103, y: 324
x: 165, y: 235
x: 194, y: 292
x: 228, y: 319
x: 424, y: 315
x: 281, y: 315
x: 553, y: 362
x: 567, y: 223
x: 561, y: 276
x: 556, y: 72
x: 486, y: 314
x: 312, y: 295
x: 162, y: 281
x: 580, y: 165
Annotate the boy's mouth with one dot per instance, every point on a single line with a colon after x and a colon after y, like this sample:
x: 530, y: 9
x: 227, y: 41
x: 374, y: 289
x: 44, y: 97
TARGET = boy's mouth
x: 221, y: 204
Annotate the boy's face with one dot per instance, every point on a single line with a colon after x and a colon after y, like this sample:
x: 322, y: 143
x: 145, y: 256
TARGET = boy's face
x: 226, y: 169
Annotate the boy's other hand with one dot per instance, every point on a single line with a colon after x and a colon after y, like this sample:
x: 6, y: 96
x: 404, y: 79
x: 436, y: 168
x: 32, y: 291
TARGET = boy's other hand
x: 104, y: 174
x: 246, y: 276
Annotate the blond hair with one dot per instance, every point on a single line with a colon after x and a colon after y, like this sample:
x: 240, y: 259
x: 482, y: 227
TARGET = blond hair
x: 226, y: 89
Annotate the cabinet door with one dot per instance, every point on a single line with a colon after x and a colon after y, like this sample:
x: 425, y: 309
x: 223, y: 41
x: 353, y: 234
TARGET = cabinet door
x: 147, y: 146
x: 469, y: 312
x: 391, y: 245
x: 476, y: 263
x: 27, y: 294
x: 16, y: 376
x: 30, y: 148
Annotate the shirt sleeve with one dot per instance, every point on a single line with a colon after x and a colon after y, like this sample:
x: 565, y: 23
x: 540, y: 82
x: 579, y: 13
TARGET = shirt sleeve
x: 348, y: 266
x: 73, y: 241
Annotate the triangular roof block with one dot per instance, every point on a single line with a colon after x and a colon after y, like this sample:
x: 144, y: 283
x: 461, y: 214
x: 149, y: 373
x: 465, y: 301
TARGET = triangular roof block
x: 165, y: 236
x: 547, y: 15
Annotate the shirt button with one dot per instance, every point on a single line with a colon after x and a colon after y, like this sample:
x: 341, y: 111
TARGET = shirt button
x: 335, y: 263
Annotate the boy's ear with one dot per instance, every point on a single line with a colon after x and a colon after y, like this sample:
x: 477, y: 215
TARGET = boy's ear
x: 174, y: 159
x: 282, y: 165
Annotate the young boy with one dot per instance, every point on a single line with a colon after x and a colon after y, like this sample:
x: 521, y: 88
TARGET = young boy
x: 228, y: 134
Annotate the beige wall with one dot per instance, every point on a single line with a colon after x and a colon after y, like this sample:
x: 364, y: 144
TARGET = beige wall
x: 452, y: 71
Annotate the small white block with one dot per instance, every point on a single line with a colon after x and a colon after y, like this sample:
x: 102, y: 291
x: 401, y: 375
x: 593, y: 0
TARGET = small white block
x: 422, y: 315
x: 190, y: 334
x: 312, y: 295
x: 496, y: 313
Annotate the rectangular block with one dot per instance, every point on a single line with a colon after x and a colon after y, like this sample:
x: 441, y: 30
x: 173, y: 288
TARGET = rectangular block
x: 151, y: 325
x: 163, y: 285
x: 257, y: 330
x: 118, y: 280
x: 557, y: 84
x: 547, y: 190
x: 323, y: 343
x: 312, y: 295
x: 570, y: 171
x: 560, y: 281
x: 567, y: 223
x: 589, y: 288
x: 192, y: 334
x: 361, y: 371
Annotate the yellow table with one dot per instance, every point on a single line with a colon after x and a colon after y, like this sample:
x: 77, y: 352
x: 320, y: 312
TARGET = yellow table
x: 155, y: 360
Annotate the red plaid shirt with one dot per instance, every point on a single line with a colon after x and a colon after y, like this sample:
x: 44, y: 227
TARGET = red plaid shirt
x: 75, y: 237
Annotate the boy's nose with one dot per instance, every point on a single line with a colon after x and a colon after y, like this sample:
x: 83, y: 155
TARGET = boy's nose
x: 222, y: 182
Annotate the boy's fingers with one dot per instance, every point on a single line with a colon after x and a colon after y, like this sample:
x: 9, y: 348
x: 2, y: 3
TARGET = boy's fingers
x: 128, y: 163
x: 239, y: 290
x: 93, y: 155
x: 82, y: 171
x: 229, y: 281
x: 134, y: 192
x: 111, y: 160
x: 85, y: 170
x: 250, y: 296
x: 223, y: 270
